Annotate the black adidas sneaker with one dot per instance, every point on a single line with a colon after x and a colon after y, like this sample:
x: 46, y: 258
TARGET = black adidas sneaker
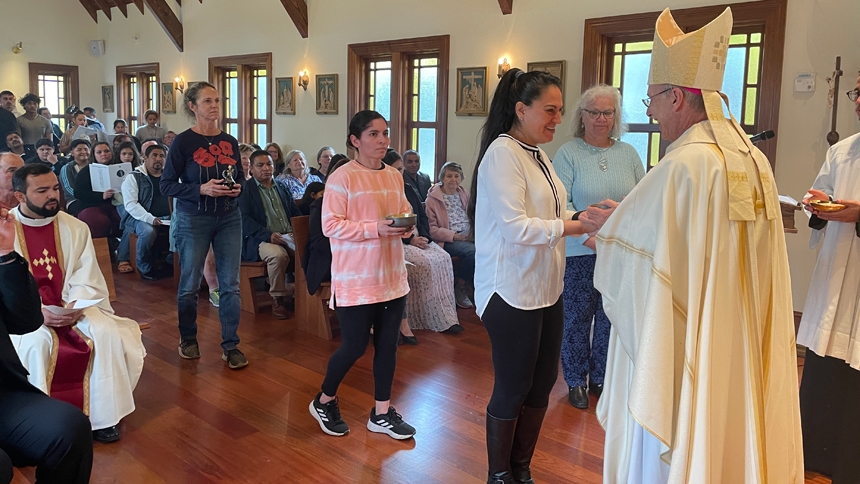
x: 328, y: 416
x: 390, y: 423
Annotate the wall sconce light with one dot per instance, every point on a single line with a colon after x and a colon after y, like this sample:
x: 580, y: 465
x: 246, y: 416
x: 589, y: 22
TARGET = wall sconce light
x: 304, y: 80
x: 179, y: 84
x: 17, y: 48
x: 504, y: 66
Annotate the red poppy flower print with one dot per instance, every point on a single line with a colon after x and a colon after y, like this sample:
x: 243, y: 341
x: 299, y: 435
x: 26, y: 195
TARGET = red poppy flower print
x: 203, y: 158
x: 226, y: 148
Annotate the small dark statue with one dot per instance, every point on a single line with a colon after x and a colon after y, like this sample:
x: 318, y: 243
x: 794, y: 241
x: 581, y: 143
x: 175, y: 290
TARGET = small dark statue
x: 229, y: 181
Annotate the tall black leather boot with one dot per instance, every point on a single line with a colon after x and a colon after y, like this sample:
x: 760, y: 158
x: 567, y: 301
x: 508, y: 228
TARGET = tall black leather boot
x: 500, y: 437
x: 525, y: 438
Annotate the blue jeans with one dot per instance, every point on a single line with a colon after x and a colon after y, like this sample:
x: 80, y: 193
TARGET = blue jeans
x: 583, y: 354
x: 122, y: 253
x: 194, y: 234
x: 465, y: 250
x: 147, y: 234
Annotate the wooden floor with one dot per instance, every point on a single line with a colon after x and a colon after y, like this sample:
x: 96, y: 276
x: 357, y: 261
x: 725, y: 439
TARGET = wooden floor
x: 198, y: 422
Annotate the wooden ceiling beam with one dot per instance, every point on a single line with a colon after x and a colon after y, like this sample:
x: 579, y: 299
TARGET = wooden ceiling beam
x: 139, y: 4
x: 91, y: 9
x: 298, y: 11
x: 105, y: 7
x: 507, y: 6
x: 168, y: 20
x: 122, y: 6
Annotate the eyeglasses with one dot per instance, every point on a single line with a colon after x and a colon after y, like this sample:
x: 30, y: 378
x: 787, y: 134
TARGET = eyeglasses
x: 647, y: 100
x: 596, y: 114
x: 853, y: 95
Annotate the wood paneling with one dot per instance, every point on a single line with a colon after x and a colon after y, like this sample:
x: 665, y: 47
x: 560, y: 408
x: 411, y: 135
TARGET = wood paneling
x: 198, y: 422
x: 298, y: 11
x: 507, y: 6
x: 768, y: 15
x: 91, y: 9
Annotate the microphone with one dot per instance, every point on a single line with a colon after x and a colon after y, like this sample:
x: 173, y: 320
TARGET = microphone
x: 762, y: 136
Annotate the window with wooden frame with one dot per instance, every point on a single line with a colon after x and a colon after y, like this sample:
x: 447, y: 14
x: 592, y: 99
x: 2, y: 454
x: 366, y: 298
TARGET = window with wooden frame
x: 57, y: 86
x: 407, y: 82
x: 138, y: 92
x: 617, y: 51
x: 244, y: 82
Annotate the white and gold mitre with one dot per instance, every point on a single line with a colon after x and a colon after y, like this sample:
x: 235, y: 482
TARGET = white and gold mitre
x: 696, y: 59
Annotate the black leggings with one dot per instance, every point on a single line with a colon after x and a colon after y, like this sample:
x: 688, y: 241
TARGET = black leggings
x: 526, y: 347
x: 355, y: 324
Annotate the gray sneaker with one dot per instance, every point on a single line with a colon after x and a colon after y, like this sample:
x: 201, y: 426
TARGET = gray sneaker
x: 235, y: 359
x: 189, y: 350
x: 215, y: 297
x: 462, y: 297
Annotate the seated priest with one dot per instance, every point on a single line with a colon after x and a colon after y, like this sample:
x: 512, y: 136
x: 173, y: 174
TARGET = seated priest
x: 267, y: 207
x: 148, y: 211
x: 88, y: 357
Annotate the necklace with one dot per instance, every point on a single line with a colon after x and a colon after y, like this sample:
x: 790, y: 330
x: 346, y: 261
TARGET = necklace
x: 602, y: 162
x: 209, y: 139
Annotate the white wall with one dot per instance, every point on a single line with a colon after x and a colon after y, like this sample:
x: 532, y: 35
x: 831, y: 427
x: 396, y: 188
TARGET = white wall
x: 53, y: 32
x: 538, y: 30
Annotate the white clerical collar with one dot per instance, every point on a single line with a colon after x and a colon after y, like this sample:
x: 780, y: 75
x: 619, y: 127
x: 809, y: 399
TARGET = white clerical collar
x: 32, y: 222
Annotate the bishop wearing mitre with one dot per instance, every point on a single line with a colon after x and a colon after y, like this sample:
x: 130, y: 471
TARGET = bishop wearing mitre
x: 91, y: 358
x: 701, y: 380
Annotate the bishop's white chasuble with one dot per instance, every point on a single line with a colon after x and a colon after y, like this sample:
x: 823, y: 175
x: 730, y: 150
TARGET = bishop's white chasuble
x: 701, y: 381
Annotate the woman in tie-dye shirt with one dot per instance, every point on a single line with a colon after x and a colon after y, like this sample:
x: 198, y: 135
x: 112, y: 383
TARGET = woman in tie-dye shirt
x: 368, y: 273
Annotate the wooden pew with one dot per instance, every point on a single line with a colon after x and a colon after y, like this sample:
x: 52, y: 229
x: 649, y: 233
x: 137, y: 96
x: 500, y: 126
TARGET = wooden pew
x: 312, y: 312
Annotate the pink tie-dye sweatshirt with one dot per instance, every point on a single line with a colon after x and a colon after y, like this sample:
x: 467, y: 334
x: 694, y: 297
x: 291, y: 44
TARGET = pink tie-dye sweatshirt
x: 365, y: 268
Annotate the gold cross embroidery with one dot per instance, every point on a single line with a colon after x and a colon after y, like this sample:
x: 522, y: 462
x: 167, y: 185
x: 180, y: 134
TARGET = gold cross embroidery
x: 46, y: 261
x: 721, y: 48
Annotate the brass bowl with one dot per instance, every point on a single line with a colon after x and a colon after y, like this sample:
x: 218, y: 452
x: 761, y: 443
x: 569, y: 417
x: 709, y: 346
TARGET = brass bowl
x: 826, y: 206
x: 403, y: 219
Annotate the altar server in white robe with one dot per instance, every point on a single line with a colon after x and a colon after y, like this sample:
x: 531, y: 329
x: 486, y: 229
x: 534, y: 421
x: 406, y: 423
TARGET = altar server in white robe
x: 701, y: 383
x: 91, y: 358
x: 830, y: 327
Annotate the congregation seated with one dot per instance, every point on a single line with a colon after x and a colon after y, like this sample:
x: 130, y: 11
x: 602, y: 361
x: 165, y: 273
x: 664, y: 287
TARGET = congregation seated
x: 245, y: 151
x: 79, y: 119
x: 45, y: 155
x: 297, y: 175
x: 314, y: 191
x: 267, y: 206
x: 151, y: 130
x: 8, y: 123
x: 274, y: 150
x: 413, y: 176
x: 147, y: 210
x: 79, y: 157
x: 14, y: 144
x: 168, y: 139
x: 9, y: 164
x: 97, y: 209
x: 91, y: 357
x: 324, y: 159
x: 431, y: 303
x: 449, y: 226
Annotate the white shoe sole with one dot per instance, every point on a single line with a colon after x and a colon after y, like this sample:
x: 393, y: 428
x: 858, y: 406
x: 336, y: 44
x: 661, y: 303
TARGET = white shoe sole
x: 316, y: 417
x: 383, y: 430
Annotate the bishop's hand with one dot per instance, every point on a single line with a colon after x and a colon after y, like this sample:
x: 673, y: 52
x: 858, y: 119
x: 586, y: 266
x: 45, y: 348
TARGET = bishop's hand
x: 60, y: 320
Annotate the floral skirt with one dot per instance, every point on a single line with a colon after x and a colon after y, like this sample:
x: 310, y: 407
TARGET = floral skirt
x: 430, y: 304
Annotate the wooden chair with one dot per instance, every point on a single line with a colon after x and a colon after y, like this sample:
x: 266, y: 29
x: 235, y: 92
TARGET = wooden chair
x: 312, y: 312
x: 103, y: 258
